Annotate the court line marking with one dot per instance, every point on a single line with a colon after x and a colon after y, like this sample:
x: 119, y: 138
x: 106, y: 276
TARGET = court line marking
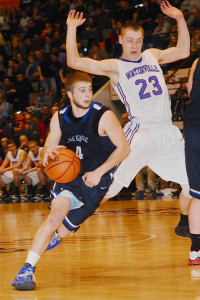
x: 152, y: 236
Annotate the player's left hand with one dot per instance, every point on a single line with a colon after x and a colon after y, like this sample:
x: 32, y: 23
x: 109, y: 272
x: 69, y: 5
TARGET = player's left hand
x: 170, y: 10
x: 91, y: 179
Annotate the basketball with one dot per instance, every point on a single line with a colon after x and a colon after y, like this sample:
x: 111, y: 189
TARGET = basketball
x: 65, y: 166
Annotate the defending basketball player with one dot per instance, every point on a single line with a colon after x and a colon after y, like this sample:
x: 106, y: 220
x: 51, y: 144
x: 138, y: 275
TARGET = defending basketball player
x: 95, y: 134
x: 138, y: 80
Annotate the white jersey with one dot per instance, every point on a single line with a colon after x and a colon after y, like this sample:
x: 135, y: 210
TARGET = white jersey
x: 35, y: 158
x: 15, y: 159
x: 143, y: 91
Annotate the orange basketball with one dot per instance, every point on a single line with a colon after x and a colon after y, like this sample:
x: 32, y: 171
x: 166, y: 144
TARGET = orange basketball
x: 65, y: 166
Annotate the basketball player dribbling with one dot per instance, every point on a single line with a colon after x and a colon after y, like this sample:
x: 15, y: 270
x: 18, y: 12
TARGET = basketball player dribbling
x: 138, y: 80
x: 96, y: 135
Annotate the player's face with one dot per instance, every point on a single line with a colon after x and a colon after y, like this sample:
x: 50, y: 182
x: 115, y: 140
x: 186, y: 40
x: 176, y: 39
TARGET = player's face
x: 82, y: 94
x: 34, y: 148
x: 12, y: 148
x: 132, y: 44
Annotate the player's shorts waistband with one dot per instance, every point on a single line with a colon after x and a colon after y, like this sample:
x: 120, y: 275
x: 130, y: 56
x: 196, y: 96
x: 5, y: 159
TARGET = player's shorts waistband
x: 133, y: 123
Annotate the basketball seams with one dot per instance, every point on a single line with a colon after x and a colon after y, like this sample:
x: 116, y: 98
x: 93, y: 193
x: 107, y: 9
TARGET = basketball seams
x: 72, y: 168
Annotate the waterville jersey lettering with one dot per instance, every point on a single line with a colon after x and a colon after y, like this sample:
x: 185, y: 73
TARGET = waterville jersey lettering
x: 141, y: 70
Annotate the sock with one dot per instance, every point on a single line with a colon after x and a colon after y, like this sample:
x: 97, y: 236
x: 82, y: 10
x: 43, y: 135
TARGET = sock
x: 184, y: 220
x: 32, y: 258
x: 44, y: 189
x: 5, y: 192
x: 30, y: 189
x: 195, y: 242
x: 17, y: 190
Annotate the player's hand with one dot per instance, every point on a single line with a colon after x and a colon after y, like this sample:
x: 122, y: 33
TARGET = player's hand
x: 48, y: 152
x: 170, y: 10
x: 91, y: 179
x: 1, y: 172
x: 75, y: 18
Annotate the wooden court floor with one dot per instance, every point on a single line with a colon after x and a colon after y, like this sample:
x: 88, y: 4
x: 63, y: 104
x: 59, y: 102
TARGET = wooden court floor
x: 126, y: 250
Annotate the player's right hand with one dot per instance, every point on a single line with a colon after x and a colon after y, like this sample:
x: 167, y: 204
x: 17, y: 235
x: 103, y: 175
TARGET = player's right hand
x: 48, y: 151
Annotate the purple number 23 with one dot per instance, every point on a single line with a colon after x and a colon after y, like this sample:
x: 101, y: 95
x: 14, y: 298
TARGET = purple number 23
x: 156, y: 91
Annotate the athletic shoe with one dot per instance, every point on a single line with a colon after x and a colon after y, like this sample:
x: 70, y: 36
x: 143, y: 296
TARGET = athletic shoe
x: 25, y: 280
x: 182, y: 231
x: 54, y: 242
x: 15, y: 199
x: 194, y: 258
x: 5, y: 199
x: 45, y: 197
x: 138, y: 193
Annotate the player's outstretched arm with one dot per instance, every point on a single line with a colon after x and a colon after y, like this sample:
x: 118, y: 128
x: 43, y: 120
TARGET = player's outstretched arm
x: 182, y: 49
x: 104, y: 67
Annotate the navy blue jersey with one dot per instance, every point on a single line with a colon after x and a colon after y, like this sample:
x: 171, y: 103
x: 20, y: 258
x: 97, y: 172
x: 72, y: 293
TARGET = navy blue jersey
x: 192, y: 112
x: 81, y: 136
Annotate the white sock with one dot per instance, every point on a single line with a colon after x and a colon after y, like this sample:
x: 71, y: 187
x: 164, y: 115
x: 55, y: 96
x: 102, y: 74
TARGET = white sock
x: 32, y: 258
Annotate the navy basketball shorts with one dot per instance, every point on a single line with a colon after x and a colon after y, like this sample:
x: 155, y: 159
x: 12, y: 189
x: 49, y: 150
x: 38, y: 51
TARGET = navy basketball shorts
x: 192, y: 156
x: 90, y: 198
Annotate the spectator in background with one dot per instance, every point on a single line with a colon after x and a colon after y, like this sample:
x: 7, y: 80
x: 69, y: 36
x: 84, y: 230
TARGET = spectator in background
x: 21, y: 64
x: 97, y: 53
x: 32, y: 73
x: 3, y: 149
x: 31, y: 30
x: 146, y: 16
x: 36, y: 119
x: 195, y: 42
x: 3, y: 62
x: 21, y: 89
x: 47, y: 44
x: 24, y: 20
x: 46, y: 73
x: 4, y: 108
x: 13, y: 20
x: 23, y: 139
x: 12, y: 69
x: 31, y: 130
x: 194, y: 18
x: 46, y: 115
x: 125, y: 12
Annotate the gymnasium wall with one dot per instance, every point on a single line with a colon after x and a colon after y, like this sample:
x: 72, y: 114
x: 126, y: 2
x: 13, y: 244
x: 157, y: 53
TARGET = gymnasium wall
x: 9, y: 3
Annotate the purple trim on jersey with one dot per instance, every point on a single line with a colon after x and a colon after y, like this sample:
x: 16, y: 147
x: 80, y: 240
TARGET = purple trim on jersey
x: 124, y: 101
x: 132, y: 61
x: 128, y: 132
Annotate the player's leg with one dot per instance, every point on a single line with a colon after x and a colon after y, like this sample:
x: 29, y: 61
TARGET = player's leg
x: 59, y: 208
x: 31, y: 180
x: 16, y: 179
x: 45, y: 193
x: 192, y: 152
x: 169, y: 164
x: 6, y: 178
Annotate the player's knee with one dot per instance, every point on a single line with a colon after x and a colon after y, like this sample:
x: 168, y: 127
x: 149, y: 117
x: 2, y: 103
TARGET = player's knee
x: 186, y: 190
x: 55, y: 218
x: 63, y: 232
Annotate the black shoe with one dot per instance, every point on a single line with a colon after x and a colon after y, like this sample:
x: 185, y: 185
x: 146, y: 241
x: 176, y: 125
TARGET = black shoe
x: 182, y: 231
x: 5, y: 199
x: 15, y: 199
x: 45, y: 197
